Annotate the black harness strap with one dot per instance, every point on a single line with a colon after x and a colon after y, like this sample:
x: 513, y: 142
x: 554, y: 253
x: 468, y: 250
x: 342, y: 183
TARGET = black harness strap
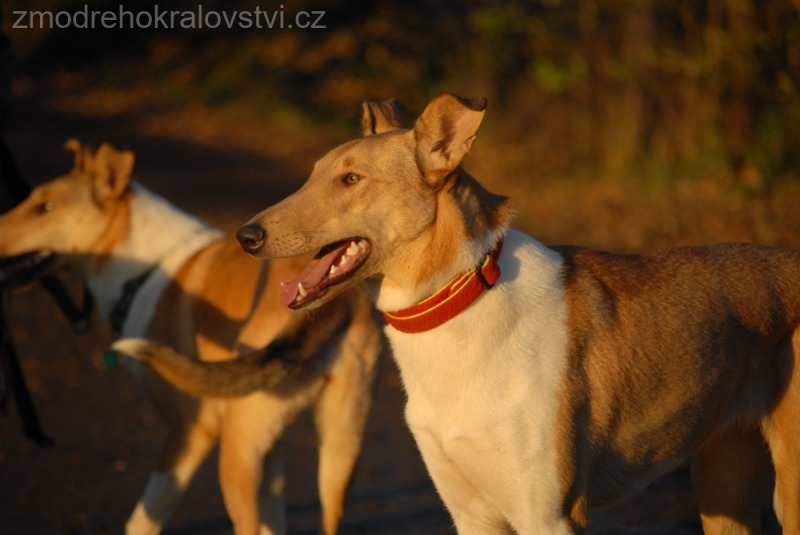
x: 79, y: 317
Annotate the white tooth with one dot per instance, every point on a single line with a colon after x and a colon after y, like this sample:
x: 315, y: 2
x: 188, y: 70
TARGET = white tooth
x: 333, y: 270
x: 353, y: 249
x: 301, y: 289
x: 362, y: 244
x: 342, y: 260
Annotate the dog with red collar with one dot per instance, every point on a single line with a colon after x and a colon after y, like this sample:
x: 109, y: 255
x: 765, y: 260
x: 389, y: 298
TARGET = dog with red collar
x: 574, y: 377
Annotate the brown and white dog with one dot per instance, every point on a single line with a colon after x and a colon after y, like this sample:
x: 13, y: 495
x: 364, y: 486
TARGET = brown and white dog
x: 545, y: 382
x: 159, y: 273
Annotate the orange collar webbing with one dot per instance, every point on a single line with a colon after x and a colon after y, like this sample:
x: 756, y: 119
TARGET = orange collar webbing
x: 454, y: 298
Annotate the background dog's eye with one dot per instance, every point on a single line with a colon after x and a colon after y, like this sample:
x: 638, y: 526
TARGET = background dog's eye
x: 45, y: 207
x: 350, y: 178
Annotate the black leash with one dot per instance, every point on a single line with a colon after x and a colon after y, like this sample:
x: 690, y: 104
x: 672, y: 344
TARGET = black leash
x: 31, y: 425
x: 16, y: 272
x: 24, y: 269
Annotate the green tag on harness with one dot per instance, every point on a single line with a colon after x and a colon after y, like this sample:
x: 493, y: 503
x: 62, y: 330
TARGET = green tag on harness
x: 110, y: 359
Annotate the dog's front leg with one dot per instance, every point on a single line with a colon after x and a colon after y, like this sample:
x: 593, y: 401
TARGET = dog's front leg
x: 189, y: 439
x: 472, y: 513
x: 471, y: 506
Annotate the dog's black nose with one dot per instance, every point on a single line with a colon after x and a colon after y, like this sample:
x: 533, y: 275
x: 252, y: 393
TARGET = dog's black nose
x: 251, y: 236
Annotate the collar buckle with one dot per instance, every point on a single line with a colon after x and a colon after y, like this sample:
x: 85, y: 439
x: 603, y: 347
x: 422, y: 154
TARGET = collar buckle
x: 482, y: 278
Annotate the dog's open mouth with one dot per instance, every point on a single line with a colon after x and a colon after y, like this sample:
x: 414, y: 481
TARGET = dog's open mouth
x: 333, y: 264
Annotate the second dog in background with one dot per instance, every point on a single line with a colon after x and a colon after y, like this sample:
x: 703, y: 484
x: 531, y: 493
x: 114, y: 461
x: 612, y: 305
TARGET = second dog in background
x: 159, y: 273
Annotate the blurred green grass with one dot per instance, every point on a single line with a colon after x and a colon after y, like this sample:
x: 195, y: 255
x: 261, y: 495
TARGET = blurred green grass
x: 649, y: 98
x: 647, y: 88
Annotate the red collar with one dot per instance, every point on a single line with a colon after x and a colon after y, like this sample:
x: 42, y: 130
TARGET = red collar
x: 451, y: 300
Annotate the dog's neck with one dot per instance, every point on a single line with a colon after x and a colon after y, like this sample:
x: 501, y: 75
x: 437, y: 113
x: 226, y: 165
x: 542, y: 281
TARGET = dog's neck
x: 468, y: 223
x: 153, y: 230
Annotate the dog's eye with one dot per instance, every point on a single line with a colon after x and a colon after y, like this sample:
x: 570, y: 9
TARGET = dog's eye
x: 44, y: 207
x: 350, y: 178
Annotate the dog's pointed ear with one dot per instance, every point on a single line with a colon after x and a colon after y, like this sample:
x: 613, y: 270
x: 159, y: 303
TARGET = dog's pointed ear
x: 74, y: 146
x: 379, y: 117
x: 444, y: 134
x: 112, y: 173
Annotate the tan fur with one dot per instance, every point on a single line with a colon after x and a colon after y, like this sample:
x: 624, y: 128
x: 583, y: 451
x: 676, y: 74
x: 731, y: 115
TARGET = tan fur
x: 464, y: 211
x: 221, y: 302
x: 224, y: 315
x: 115, y: 231
x: 442, y: 204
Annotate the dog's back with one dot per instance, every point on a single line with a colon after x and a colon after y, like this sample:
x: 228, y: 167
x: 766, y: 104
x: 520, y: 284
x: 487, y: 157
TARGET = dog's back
x: 647, y: 381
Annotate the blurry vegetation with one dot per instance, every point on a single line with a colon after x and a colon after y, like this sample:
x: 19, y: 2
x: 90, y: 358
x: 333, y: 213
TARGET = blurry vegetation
x: 641, y: 89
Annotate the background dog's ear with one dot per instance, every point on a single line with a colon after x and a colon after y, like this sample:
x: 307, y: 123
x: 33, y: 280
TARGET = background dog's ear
x: 112, y: 173
x: 445, y: 132
x: 379, y: 117
x: 81, y: 153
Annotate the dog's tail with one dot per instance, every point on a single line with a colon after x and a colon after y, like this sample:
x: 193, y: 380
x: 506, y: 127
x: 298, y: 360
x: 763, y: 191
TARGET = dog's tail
x: 288, y: 355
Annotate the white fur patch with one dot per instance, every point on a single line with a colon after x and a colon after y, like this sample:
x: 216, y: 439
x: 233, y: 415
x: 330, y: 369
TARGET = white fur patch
x: 159, y: 234
x: 482, y: 395
x: 144, y: 304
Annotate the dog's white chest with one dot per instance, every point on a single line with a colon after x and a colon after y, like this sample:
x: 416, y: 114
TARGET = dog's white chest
x: 482, y: 388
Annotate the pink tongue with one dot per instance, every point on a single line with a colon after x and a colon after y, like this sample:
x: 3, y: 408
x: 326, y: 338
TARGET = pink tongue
x: 311, y: 274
